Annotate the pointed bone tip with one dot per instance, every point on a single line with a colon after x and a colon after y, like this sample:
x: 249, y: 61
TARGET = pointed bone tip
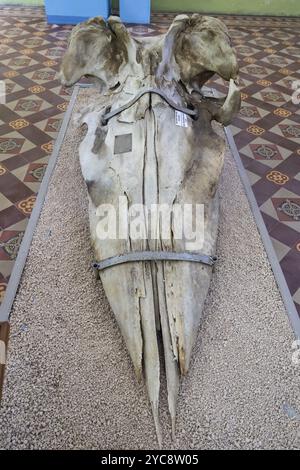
x: 157, y: 424
x: 173, y: 420
x: 159, y: 437
x: 139, y: 374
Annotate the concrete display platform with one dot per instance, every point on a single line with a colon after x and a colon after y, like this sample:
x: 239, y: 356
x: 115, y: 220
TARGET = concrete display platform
x: 69, y: 381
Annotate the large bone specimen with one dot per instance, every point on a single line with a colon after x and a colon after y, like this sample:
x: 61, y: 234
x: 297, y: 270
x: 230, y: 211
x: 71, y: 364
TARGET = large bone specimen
x: 141, y: 154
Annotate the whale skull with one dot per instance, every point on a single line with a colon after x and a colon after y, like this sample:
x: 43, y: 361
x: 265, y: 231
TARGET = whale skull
x: 143, y: 156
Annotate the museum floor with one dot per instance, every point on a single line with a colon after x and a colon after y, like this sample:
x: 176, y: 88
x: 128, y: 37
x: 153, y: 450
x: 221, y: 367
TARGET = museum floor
x: 266, y: 132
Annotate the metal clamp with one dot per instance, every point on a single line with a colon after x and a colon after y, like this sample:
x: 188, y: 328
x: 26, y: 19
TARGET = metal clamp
x: 190, y: 112
x: 155, y: 256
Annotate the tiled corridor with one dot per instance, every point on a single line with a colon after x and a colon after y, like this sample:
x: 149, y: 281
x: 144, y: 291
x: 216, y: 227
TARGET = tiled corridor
x: 266, y: 132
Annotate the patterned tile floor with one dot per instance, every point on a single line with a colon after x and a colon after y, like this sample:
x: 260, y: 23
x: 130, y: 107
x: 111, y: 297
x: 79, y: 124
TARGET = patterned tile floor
x: 266, y: 132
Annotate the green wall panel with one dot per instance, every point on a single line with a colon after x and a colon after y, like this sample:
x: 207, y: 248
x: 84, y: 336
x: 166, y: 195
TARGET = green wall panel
x: 254, y: 7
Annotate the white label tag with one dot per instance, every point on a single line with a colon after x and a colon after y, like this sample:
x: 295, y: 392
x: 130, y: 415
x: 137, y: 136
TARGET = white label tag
x: 2, y: 92
x: 181, y: 119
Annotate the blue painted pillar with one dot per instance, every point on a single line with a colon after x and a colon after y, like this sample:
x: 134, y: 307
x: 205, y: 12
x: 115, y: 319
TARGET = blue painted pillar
x: 135, y: 11
x: 75, y: 11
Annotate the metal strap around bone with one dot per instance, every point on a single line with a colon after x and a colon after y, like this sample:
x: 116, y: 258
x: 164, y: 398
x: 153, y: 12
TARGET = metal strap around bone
x: 154, y: 256
x: 190, y: 112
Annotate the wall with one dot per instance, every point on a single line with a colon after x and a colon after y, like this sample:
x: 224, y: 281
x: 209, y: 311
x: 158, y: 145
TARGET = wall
x: 22, y: 2
x: 254, y: 7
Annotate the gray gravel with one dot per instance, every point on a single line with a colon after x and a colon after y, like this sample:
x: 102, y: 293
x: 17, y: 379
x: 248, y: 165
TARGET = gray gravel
x: 70, y: 383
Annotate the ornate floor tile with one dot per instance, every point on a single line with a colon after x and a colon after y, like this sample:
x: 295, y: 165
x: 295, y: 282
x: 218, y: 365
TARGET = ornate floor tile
x: 10, y: 242
x: 253, y: 178
x: 290, y: 131
x: 246, y: 50
x: 256, y: 70
x: 28, y: 105
x: 4, y: 203
x: 263, y: 42
x: 10, y: 145
x: 297, y: 294
x: 277, y: 60
x: 281, y: 249
x: 6, y: 269
x: 21, y: 172
x: 288, y: 209
x: 251, y: 113
x: 266, y: 152
x: 35, y: 172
